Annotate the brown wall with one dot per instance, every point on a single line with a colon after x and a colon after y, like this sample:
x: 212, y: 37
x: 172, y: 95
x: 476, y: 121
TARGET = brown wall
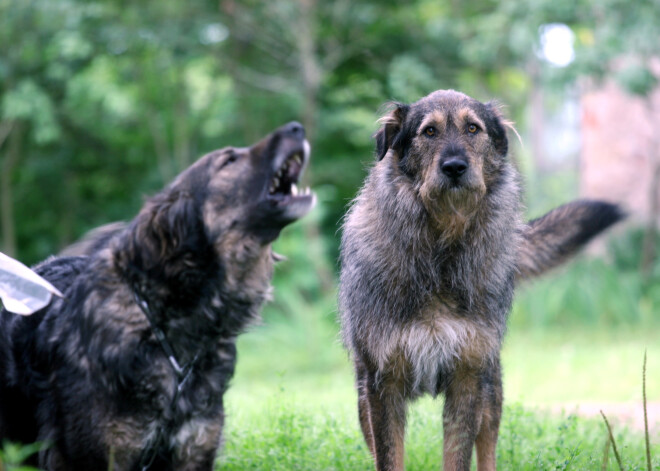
x: 620, y: 140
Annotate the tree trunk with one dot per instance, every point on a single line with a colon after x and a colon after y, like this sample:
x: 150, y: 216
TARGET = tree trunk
x: 181, y: 134
x: 159, y: 138
x: 6, y: 194
x: 312, y: 74
x: 241, y: 122
x: 537, y: 118
x: 650, y: 242
x: 310, y: 68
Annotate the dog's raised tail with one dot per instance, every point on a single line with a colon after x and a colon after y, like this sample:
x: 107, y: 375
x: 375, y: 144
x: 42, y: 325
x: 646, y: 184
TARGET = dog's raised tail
x: 553, y: 238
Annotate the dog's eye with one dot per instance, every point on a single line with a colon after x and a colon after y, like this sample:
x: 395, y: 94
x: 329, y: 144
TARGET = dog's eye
x: 233, y: 157
x: 430, y: 131
x: 472, y: 128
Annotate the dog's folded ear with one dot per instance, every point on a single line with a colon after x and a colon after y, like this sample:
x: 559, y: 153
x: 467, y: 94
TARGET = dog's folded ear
x: 495, y: 124
x: 388, y: 136
x: 168, y: 227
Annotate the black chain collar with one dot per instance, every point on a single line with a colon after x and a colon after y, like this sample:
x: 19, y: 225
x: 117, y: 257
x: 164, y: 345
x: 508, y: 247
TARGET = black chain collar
x: 182, y: 373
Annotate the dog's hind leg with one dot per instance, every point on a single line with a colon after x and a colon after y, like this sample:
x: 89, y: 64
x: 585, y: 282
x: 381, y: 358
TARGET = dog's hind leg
x: 490, y: 420
x: 383, y: 419
x: 364, y: 412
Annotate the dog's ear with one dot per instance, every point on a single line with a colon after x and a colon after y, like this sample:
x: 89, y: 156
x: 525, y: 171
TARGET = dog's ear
x: 495, y: 124
x: 388, y: 136
x: 168, y: 227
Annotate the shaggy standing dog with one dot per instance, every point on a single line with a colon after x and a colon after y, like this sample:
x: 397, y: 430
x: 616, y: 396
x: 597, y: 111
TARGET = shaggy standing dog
x: 431, y: 249
x: 129, y: 369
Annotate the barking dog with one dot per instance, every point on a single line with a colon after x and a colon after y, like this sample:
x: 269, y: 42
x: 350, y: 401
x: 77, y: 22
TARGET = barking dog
x: 131, y: 366
x: 431, y: 249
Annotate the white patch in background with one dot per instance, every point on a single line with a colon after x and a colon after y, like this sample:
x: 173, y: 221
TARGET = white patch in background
x: 557, y: 41
x: 213, y: 33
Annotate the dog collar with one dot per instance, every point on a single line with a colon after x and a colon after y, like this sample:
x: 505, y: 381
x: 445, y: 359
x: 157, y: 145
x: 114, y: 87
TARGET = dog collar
x: 150, y: 452
x: 182, y: 373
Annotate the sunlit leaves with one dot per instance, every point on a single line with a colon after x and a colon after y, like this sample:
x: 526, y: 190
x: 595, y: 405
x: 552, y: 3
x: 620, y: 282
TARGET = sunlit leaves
x: 97, y: 93
x: 29, y: 102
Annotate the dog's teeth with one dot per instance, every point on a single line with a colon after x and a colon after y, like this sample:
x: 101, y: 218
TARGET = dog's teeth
x: 297, y: 158
x: 294, y: 189
x: 276, y: 182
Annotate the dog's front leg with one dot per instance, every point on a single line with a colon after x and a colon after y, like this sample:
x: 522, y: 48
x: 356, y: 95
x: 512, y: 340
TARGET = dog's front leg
x: 461, y: 419
x: 197, y: 443
x: 383, y: 418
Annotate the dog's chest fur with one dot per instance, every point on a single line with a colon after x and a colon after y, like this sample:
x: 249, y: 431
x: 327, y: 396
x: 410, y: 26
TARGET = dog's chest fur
x: 423, y: 353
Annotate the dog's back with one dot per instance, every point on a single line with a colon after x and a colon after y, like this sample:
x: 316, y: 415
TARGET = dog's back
x: 94, y: 240
x: 24, y: 361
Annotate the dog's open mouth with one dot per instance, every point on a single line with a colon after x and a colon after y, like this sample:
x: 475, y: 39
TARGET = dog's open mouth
x: 284, y: 188
x: 285, y: 181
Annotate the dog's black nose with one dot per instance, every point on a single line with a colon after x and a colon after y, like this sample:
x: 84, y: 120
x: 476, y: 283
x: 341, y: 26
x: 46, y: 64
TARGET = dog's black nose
x: 295, y: 130
x: 454, y: 167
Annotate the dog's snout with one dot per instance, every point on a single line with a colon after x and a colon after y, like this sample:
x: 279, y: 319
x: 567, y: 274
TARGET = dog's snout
x: 295, y: 130
x: 454, y: 167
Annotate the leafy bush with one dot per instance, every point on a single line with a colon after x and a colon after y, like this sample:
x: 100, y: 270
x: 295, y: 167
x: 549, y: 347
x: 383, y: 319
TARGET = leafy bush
x: 13, y: 455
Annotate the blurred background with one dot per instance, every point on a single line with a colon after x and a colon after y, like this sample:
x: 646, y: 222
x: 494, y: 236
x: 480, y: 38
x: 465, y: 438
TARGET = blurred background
x: 104, y: 102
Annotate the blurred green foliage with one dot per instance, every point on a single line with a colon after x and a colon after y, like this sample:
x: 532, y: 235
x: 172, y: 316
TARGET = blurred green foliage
x: 13, y: 455
x: 104, y: 101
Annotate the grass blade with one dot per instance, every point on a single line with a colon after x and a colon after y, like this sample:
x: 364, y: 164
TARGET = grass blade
x: 616, y: 452
x: 606, y: 455
x: 646, y: 417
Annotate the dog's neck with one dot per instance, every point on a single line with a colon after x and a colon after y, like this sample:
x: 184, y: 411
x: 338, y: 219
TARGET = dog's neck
x: 192, y: 296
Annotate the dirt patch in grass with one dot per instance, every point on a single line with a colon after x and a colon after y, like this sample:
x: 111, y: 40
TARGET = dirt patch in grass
x: 628, y: 414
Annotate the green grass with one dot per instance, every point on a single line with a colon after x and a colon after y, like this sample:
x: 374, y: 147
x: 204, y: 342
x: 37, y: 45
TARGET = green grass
x: 292, y: 404
x: 283, y: 435
x: 577, y: 336
x: 294, y: 430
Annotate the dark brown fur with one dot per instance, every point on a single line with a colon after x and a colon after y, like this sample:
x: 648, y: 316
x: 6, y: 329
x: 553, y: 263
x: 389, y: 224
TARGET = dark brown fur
x: 431, y: 249
x: 553, y: 238
x: 88, y: 375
